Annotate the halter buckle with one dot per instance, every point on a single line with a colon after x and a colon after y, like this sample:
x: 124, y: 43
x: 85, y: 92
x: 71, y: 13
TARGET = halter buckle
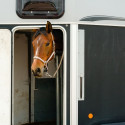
x: 46, y: 68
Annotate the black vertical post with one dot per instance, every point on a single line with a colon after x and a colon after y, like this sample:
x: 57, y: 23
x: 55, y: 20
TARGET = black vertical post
x: 29, y: 72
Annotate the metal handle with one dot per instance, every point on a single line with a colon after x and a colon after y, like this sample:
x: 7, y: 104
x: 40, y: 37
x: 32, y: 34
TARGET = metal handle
x: 80, y: 87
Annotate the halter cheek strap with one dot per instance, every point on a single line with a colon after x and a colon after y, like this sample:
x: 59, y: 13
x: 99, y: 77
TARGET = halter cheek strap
x: 52, y: 54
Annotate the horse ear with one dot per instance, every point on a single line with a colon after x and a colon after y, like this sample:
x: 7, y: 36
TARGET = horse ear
x: 48, y: 27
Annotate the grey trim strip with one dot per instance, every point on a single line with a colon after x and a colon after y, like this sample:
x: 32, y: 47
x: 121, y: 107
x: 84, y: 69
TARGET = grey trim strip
x: 101, y: 17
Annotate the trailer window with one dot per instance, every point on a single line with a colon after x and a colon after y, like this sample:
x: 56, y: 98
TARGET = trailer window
x: 40, y: 8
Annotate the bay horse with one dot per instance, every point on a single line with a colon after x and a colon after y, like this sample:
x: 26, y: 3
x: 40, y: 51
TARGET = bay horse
x: 45, y: 43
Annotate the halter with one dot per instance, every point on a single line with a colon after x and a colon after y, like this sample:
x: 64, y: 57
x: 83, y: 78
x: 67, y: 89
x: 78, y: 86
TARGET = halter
x: 52, y: 54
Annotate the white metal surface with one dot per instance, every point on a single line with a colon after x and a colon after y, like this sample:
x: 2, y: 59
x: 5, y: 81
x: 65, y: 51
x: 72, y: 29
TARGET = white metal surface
x: 74, y: 11
x: 81, y: 49
x: 5, y: 77
x: 73, y: 76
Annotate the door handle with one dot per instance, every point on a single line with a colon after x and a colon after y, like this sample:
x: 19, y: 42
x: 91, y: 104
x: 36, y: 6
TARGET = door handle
x: 81, y: 88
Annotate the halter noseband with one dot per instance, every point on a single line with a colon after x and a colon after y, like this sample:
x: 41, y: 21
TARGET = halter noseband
x: 52, y: 54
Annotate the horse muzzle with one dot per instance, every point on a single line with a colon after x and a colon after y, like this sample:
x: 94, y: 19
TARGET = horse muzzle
x: 37, y: 72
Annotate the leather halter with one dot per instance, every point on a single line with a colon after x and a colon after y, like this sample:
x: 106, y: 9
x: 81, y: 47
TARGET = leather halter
x: 46, y: 61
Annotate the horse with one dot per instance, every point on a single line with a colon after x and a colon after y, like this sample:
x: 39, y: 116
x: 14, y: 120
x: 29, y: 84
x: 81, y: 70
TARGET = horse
x: 45, y: 43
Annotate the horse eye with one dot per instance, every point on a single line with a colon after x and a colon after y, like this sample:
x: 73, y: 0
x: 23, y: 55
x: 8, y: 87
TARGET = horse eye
x: 47, y: 44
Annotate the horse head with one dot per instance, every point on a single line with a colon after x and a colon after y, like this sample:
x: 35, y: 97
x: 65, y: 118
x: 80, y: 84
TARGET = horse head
x: 44, y: 50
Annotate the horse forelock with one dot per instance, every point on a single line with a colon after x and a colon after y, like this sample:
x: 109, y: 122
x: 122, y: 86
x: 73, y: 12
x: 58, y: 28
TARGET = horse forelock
x: 39, y: 32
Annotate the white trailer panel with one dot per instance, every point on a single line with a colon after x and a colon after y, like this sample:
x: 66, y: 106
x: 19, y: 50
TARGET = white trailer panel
x: 5, y: 77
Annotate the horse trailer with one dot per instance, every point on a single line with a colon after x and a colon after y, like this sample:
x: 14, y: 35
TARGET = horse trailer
x: 89, y: 63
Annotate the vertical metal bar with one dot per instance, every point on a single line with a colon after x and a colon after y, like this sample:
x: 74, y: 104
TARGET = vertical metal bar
x: 61, y: 95
x: 29, y: 72
x: 73, y: 75
x: 57, y: 95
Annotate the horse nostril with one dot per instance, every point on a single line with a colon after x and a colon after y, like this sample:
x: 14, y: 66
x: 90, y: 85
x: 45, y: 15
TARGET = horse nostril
x: 38, y: 70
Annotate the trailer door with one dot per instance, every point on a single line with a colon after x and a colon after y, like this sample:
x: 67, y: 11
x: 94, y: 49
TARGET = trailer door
x: 5, y: 77
x: 101, y: 75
